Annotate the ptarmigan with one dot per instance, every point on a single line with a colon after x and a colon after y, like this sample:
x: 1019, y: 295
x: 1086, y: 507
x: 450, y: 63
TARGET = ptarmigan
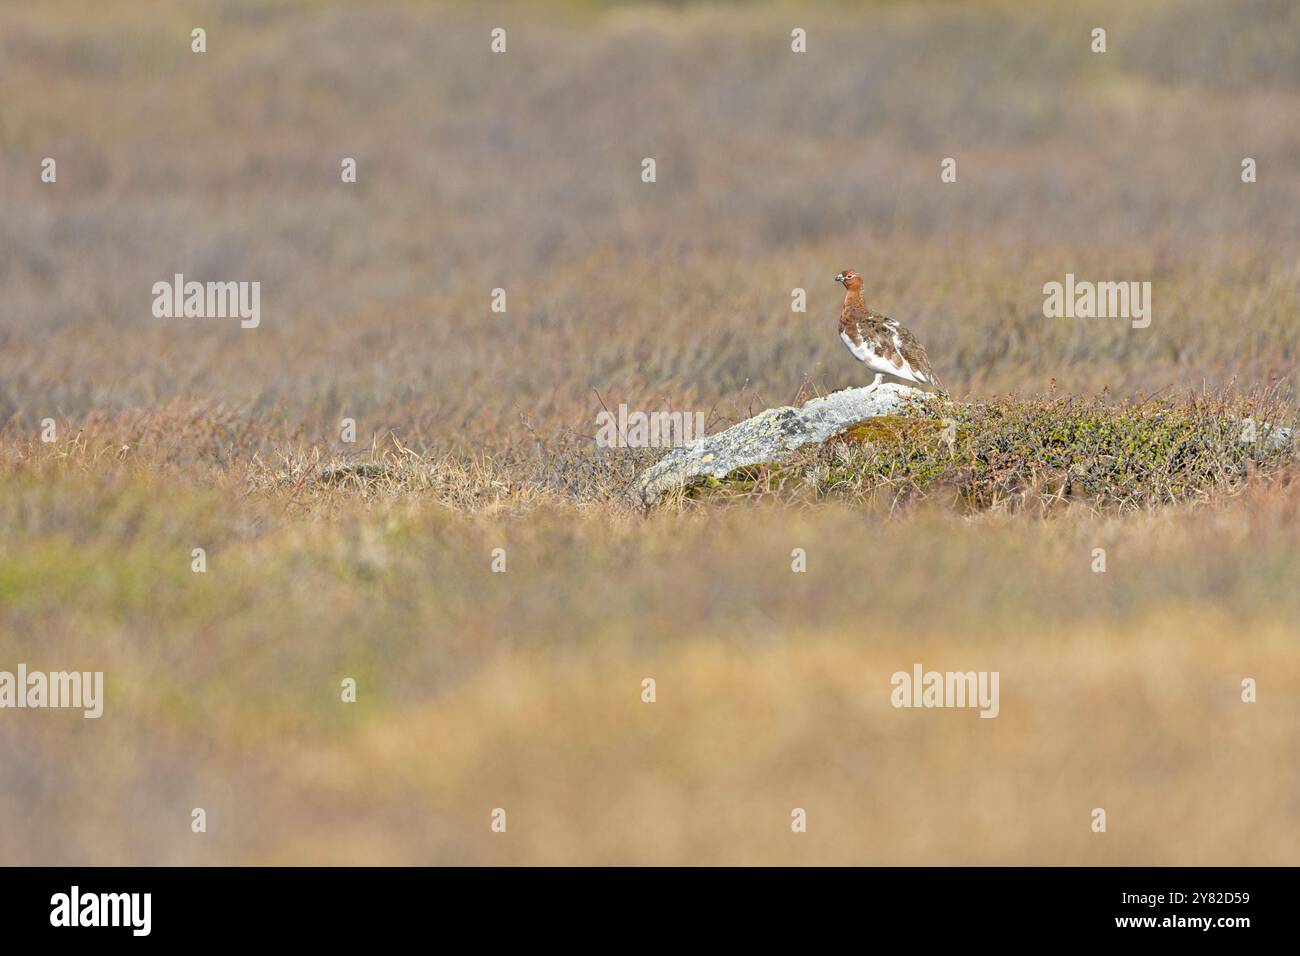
x: 880, y: 342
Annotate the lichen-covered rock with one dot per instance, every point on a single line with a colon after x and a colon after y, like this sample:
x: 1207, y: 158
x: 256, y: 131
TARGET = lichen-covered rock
x: 770, y: 435
x: 1273, y: 437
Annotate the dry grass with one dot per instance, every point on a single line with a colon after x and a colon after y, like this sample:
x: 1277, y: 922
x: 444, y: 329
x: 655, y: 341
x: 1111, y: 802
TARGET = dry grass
x: 522, y: 690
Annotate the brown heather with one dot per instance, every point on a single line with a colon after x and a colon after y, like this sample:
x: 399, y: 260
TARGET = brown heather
x: 522, y: 690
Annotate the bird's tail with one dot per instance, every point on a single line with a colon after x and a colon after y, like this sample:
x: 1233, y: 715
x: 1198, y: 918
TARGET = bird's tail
x: 933, y: 381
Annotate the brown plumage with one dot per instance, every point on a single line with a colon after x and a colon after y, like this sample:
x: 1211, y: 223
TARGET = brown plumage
x: 879, y: 342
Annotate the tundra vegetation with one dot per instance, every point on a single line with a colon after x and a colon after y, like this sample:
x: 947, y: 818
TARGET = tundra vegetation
x: 1083, y: 518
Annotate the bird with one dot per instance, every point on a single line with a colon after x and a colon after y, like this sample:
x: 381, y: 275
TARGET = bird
x: 879, y: 342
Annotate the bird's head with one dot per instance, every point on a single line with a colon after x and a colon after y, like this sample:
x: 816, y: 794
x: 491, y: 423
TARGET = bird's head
x: 851, y: 280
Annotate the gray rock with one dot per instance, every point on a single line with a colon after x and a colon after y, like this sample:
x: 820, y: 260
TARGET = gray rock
x: 770, y: 435
x: 1273, y: 437
x: 1270, y: 437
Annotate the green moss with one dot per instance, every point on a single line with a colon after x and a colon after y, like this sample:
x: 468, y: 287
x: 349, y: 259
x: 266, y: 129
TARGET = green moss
x: 1007, y: 453
x: 750, y: 479
x: 889, y: 428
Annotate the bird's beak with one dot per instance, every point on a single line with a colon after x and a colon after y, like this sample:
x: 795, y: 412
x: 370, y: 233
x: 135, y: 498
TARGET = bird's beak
x: 840, y: 277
